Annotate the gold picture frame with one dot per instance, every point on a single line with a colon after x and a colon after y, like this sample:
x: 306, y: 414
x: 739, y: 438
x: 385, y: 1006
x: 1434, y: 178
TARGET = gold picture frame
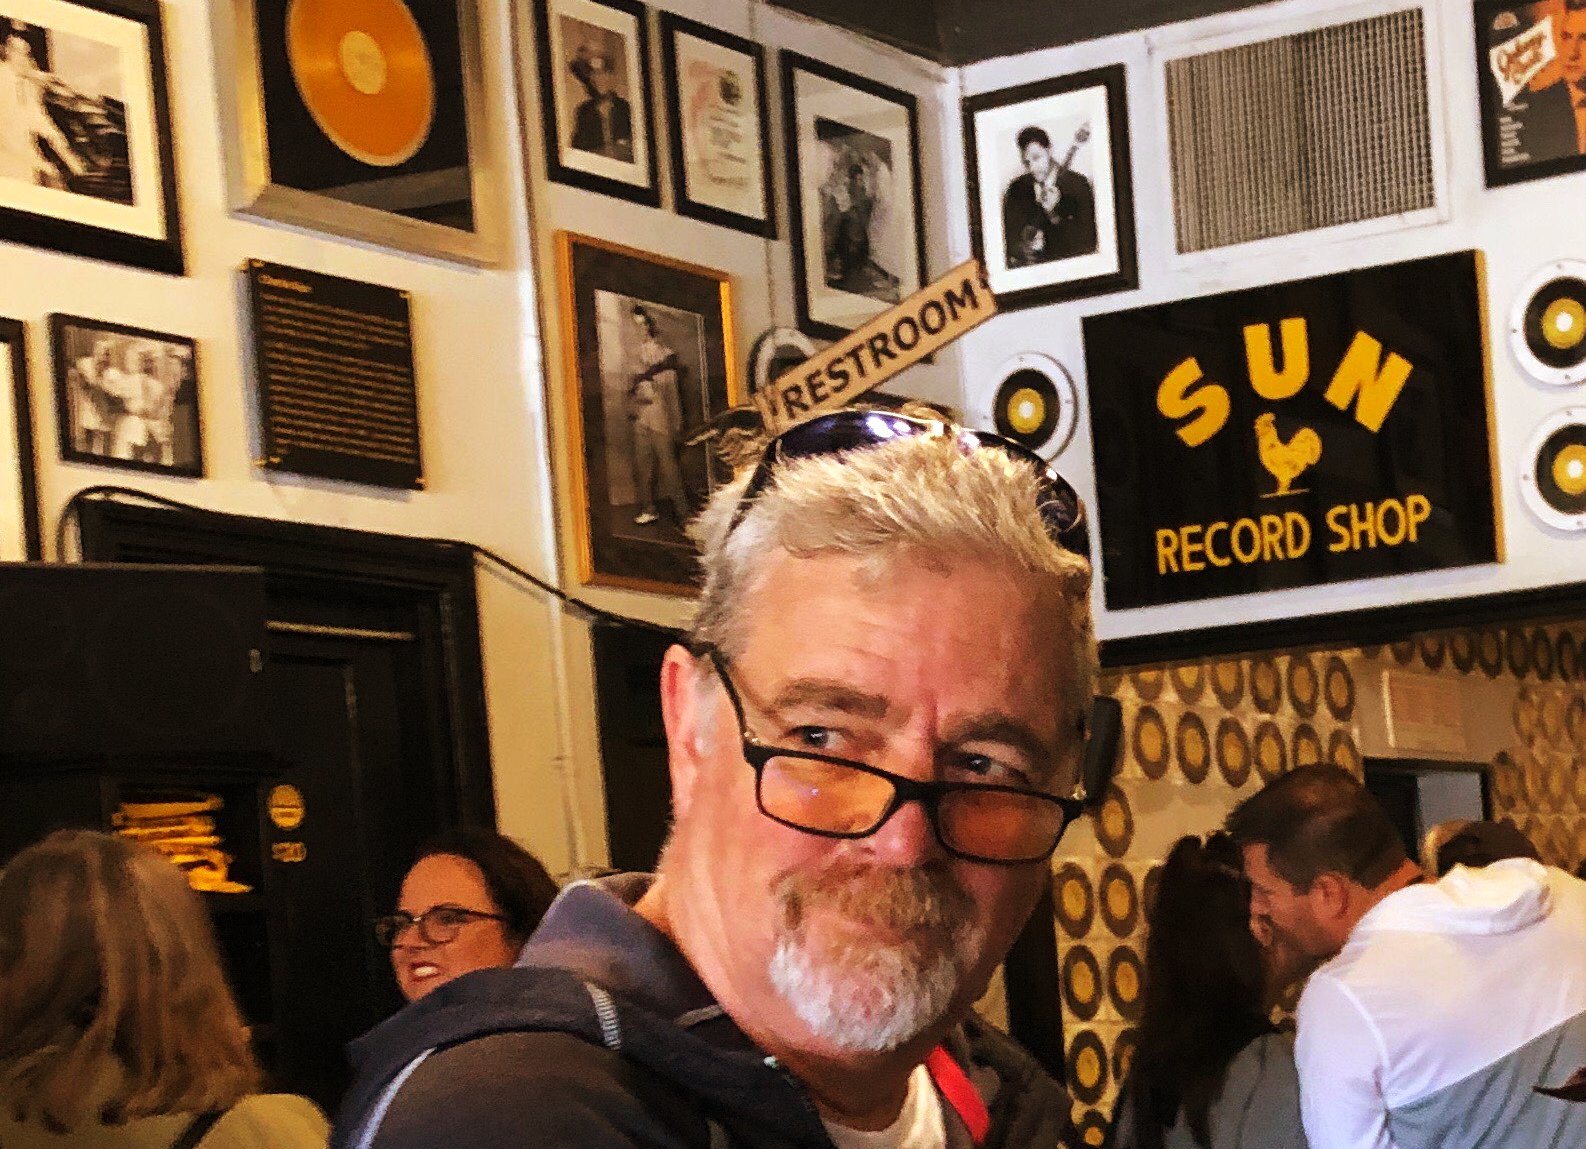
x: 649, y: 354
x: 429, y: 201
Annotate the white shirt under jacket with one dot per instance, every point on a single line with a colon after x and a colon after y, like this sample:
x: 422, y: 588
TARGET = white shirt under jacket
x: 1447, y: 1004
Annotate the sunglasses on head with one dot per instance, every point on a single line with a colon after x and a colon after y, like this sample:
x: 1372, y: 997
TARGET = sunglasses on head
x: 1060, y: 508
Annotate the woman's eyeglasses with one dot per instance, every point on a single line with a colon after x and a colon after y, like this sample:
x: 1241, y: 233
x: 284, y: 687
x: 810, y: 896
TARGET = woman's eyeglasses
x: 436, y: 925
x: 1058, y: 504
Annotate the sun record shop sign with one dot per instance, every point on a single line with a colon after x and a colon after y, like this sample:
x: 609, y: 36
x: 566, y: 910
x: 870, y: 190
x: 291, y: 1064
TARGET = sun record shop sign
x: 1294, y: 435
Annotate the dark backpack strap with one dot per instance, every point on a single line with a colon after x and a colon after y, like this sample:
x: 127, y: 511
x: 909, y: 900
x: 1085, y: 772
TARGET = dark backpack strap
x: 197, y: 1129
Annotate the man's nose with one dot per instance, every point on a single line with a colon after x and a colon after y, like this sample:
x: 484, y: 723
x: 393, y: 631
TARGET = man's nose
x: 907, y: 838
x: 408, y: 938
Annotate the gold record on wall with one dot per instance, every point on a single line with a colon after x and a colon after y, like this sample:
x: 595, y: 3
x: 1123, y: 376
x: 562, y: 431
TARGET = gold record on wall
x: 1542, y: 654
x: 1073, y: 900
x: 1342, y: 751
x: 364, y: 73
x: 1192, y: 747
x: 1081, y: 982
x: 1462, y: 650
x: 1125, y: 980
x: 1270, y: 752
x: 1233, y: 752
x: 1115, y: 823
x: 1434, y: 650
x: 1150, y: 742
x: 1304, y: 686
x: 1489, y: 652
x: 1087, y: 1067
x: 1306, y: 746
x: 1120, y: 903
x: 1189, y: 680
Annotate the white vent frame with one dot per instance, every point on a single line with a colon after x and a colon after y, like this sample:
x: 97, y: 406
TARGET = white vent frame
x: 1164, y: 46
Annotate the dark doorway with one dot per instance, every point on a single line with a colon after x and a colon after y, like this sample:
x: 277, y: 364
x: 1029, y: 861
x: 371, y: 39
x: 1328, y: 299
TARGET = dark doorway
x: 376, y: 700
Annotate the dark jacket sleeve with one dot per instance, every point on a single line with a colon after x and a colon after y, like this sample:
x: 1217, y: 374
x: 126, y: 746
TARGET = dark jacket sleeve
x: 548, y: 1090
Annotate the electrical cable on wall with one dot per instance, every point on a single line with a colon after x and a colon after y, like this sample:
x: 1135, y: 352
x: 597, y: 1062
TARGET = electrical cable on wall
x: 594, y: 614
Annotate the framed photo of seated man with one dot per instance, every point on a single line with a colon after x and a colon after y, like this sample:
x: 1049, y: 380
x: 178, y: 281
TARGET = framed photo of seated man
x: 1052, y: 215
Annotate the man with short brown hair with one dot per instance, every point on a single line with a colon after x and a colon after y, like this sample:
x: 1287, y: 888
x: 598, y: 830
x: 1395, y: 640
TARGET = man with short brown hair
x: 1437, y: 1007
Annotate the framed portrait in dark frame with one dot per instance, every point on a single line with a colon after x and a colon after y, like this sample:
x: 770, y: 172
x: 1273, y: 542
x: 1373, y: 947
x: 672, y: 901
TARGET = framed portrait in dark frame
x: 20, y: 526
x: 853, y: 156
x: 1531, y: 78
x: 718, y: 126
x: 86, y: 161
x: 1051, y: 206
x: 127, y: 396
x: 599, y: 126
x: 648, y: 351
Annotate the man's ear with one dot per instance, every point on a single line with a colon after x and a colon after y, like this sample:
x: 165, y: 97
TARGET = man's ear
x: 684, y: 712
x: 1331, y: 896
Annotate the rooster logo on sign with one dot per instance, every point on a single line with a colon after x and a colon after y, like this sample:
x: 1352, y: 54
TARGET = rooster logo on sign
x: 1287, y: 461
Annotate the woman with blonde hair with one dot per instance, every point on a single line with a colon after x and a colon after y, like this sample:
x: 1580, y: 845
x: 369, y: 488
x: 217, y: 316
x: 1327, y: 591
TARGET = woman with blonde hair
x: 117, y: 1029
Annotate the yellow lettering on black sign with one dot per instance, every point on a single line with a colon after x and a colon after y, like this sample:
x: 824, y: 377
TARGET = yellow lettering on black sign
x: 1280, y: 537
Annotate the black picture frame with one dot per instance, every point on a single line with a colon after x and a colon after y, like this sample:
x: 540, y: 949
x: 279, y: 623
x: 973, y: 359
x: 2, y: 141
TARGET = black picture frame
x: 21, y: 535
x: 852, y: 285
x: 104, y: 186
x: 752, y: 137
x: 1528, y: 129
x: 631, y: 171
x: 635, y: 392
x: 142, y: 413
x: 1059, y: 253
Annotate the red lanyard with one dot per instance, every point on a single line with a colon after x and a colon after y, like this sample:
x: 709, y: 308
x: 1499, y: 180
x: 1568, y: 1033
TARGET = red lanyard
x: 955, y: 1085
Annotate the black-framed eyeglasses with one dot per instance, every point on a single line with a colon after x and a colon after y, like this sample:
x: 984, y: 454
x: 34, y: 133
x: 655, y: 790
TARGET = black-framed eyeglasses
x: 436, y: 925
x: 838, y: 798
x: 1059, y: 505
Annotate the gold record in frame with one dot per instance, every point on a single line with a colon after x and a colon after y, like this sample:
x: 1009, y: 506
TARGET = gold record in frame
x: 365, y: 76
x: 1081, y: 982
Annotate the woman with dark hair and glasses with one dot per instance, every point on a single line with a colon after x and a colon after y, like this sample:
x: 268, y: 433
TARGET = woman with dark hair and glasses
x: 1210, y: 1069
x: 470, y: 901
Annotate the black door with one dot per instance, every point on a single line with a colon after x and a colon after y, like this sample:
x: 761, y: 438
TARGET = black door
x: 376, y: 706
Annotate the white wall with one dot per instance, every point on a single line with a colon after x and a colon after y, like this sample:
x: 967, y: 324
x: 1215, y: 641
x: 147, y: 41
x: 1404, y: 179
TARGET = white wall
x: 481, y: 401
x: 1520, y: 228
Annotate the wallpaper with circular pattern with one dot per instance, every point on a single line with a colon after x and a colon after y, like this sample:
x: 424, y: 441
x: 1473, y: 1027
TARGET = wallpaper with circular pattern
x: 1202, y: 734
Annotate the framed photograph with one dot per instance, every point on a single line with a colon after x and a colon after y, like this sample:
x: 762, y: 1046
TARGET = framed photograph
x: 85, y: 131
x: 19, y: 494
x: 1051, y: 212
x: 853, y: 154
x: 718, y: 128
x: 362, y: 120
x: 594, y: 58
x: 1532, y: 81
x: 126, y: 397
x: 648, y: 347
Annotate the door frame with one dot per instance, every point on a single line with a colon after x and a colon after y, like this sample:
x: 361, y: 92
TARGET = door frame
x: 436, y: 576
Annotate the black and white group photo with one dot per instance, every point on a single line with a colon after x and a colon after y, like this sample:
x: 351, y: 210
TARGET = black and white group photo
x: 656, y: 387
x: 63, y: 120
x: 127, y: 397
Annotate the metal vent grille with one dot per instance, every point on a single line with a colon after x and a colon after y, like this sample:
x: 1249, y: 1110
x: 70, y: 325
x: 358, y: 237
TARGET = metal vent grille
x: 1325, y: 127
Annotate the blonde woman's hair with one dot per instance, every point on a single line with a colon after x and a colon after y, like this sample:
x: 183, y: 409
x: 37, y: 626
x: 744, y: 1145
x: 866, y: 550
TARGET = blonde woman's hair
x: 920, y: 498
x: 107, y: 961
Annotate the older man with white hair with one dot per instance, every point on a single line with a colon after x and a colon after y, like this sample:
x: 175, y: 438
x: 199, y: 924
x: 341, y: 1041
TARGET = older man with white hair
x: 875, y: 732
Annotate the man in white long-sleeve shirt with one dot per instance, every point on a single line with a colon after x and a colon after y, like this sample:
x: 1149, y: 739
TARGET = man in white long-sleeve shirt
x: 1438, y: 1006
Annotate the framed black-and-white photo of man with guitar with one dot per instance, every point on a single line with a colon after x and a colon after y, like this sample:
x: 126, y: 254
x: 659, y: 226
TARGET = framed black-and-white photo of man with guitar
x: 1051, y: 210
